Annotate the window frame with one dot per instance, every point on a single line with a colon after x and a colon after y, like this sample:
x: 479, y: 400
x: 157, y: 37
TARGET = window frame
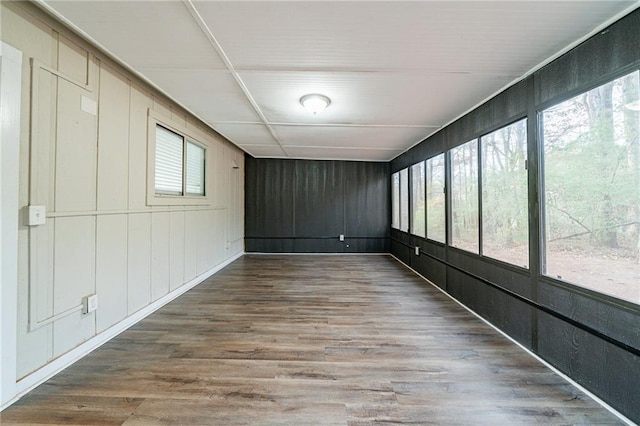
x: 189, y: 136
x: 543, y: 274
x: 449, y: 199
x: 412, y: 201
x: 481, y: 190
x: 444, y: 193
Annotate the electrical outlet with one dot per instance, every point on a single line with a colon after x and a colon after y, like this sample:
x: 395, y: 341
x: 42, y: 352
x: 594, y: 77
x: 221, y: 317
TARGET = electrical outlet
x: 89, y: 303
x: 417, y: 251
x: 341, y: 237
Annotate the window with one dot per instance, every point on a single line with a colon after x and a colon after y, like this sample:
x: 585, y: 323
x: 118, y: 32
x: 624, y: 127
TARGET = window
x: 395, y: 200
x: 436, y: 218
x: 176, y: 164
x: 417, y: 199
x: 195, y: 169
x: 404, y: 200
x: 464, y: 197
x: 591, y: 173
x: 505, y: 225
x: 169, y: 147
x: 172, y: 165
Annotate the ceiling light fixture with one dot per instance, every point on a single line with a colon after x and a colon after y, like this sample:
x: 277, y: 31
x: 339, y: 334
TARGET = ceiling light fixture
x: 315, y: 102
x: 633, y: 106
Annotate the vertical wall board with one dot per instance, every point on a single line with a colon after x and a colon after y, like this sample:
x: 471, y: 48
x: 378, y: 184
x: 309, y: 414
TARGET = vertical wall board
x: 138, y: 262
x: 309, y: 245
x: 159, y: 254
x: 319, y: 198
x: 223, y: 168
x: 76, y: 150
x: 366, y: 245
x: 613, y: 49
x: 43, y: 140
x: 269, y: 245
x: 74, y: 266
x: 621, y: 324
x: 431, y: 269
x: 190, y: 245
x: 113, y: 141
x: 204, y: 255
x: 402, y: 253
x: 35, y: 347
x: 610, y: 373
x: 221, y: 249
x: 236, y: 215
x: 420, y: 152
x: 33, y: 38
x: 72, y: 330
x: 517, y: 323
x: 367, y: 199
x: 512, y: 278
x: 212, y: 177
x: 269, y: 198
x: 72, y: 59
x: 139, y: 106
x: 41, y: 263
x: 111, y: 270
x: 176, y: 250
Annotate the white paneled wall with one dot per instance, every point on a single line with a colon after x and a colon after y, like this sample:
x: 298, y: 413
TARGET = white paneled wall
x: 83, y: 154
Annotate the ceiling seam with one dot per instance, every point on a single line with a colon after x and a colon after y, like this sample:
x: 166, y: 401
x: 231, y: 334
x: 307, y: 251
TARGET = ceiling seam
x: 401, y: 126
x: 227, y: 62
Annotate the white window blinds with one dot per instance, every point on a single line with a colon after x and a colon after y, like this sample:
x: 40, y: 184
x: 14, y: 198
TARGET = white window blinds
x: 195, y: 169
x: 168, y: 170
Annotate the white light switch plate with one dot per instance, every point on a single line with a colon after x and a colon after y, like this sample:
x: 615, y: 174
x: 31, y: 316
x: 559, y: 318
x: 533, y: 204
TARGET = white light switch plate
x: 37, y: 215
x: 90, y: 303
x: 341, y: 237
x: 417, y: 251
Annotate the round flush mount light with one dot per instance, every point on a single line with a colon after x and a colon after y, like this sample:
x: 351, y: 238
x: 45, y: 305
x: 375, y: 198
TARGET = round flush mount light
x: 633, y: 106
x: 315, y: 102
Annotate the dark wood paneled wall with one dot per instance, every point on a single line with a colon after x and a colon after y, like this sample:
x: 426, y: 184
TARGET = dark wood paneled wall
x: 303, y: 206
x: 605, y: 369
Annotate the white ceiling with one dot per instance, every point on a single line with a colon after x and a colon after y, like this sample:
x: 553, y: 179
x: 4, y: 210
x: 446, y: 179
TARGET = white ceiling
x: 395, y: 71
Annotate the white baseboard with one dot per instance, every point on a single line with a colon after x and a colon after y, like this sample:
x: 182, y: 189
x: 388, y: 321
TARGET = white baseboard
x: 524, y: 348
x: 260, y: 253
x: 43, y: 374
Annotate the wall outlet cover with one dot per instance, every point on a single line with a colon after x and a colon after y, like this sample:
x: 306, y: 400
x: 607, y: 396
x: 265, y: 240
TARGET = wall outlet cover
x: 37, y: 215
x: 89, y: 303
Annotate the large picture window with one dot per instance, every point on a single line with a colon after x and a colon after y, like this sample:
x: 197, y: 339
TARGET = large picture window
x: 505, y: 226
x: 464, y: 197
x: 417, y: 199
x: 436, y: 217
x: 591, y: 172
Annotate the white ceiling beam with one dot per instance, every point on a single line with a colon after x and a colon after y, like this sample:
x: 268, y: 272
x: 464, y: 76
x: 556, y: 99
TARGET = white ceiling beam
x: 193, y: 11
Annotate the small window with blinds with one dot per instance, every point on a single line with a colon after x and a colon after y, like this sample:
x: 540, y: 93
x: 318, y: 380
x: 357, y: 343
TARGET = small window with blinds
x: 177, y: 165
x: 169, y: 160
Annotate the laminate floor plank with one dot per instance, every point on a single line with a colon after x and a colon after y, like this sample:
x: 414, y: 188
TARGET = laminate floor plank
x: 309, y: 340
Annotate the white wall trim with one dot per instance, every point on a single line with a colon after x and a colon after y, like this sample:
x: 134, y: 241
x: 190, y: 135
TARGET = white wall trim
x: 10, y: 101
x: 260, y: 253
x: 542, y: 361
x: 54, y: 367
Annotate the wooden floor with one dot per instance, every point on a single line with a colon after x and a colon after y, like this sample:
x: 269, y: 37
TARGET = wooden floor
x: 309, y: 340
